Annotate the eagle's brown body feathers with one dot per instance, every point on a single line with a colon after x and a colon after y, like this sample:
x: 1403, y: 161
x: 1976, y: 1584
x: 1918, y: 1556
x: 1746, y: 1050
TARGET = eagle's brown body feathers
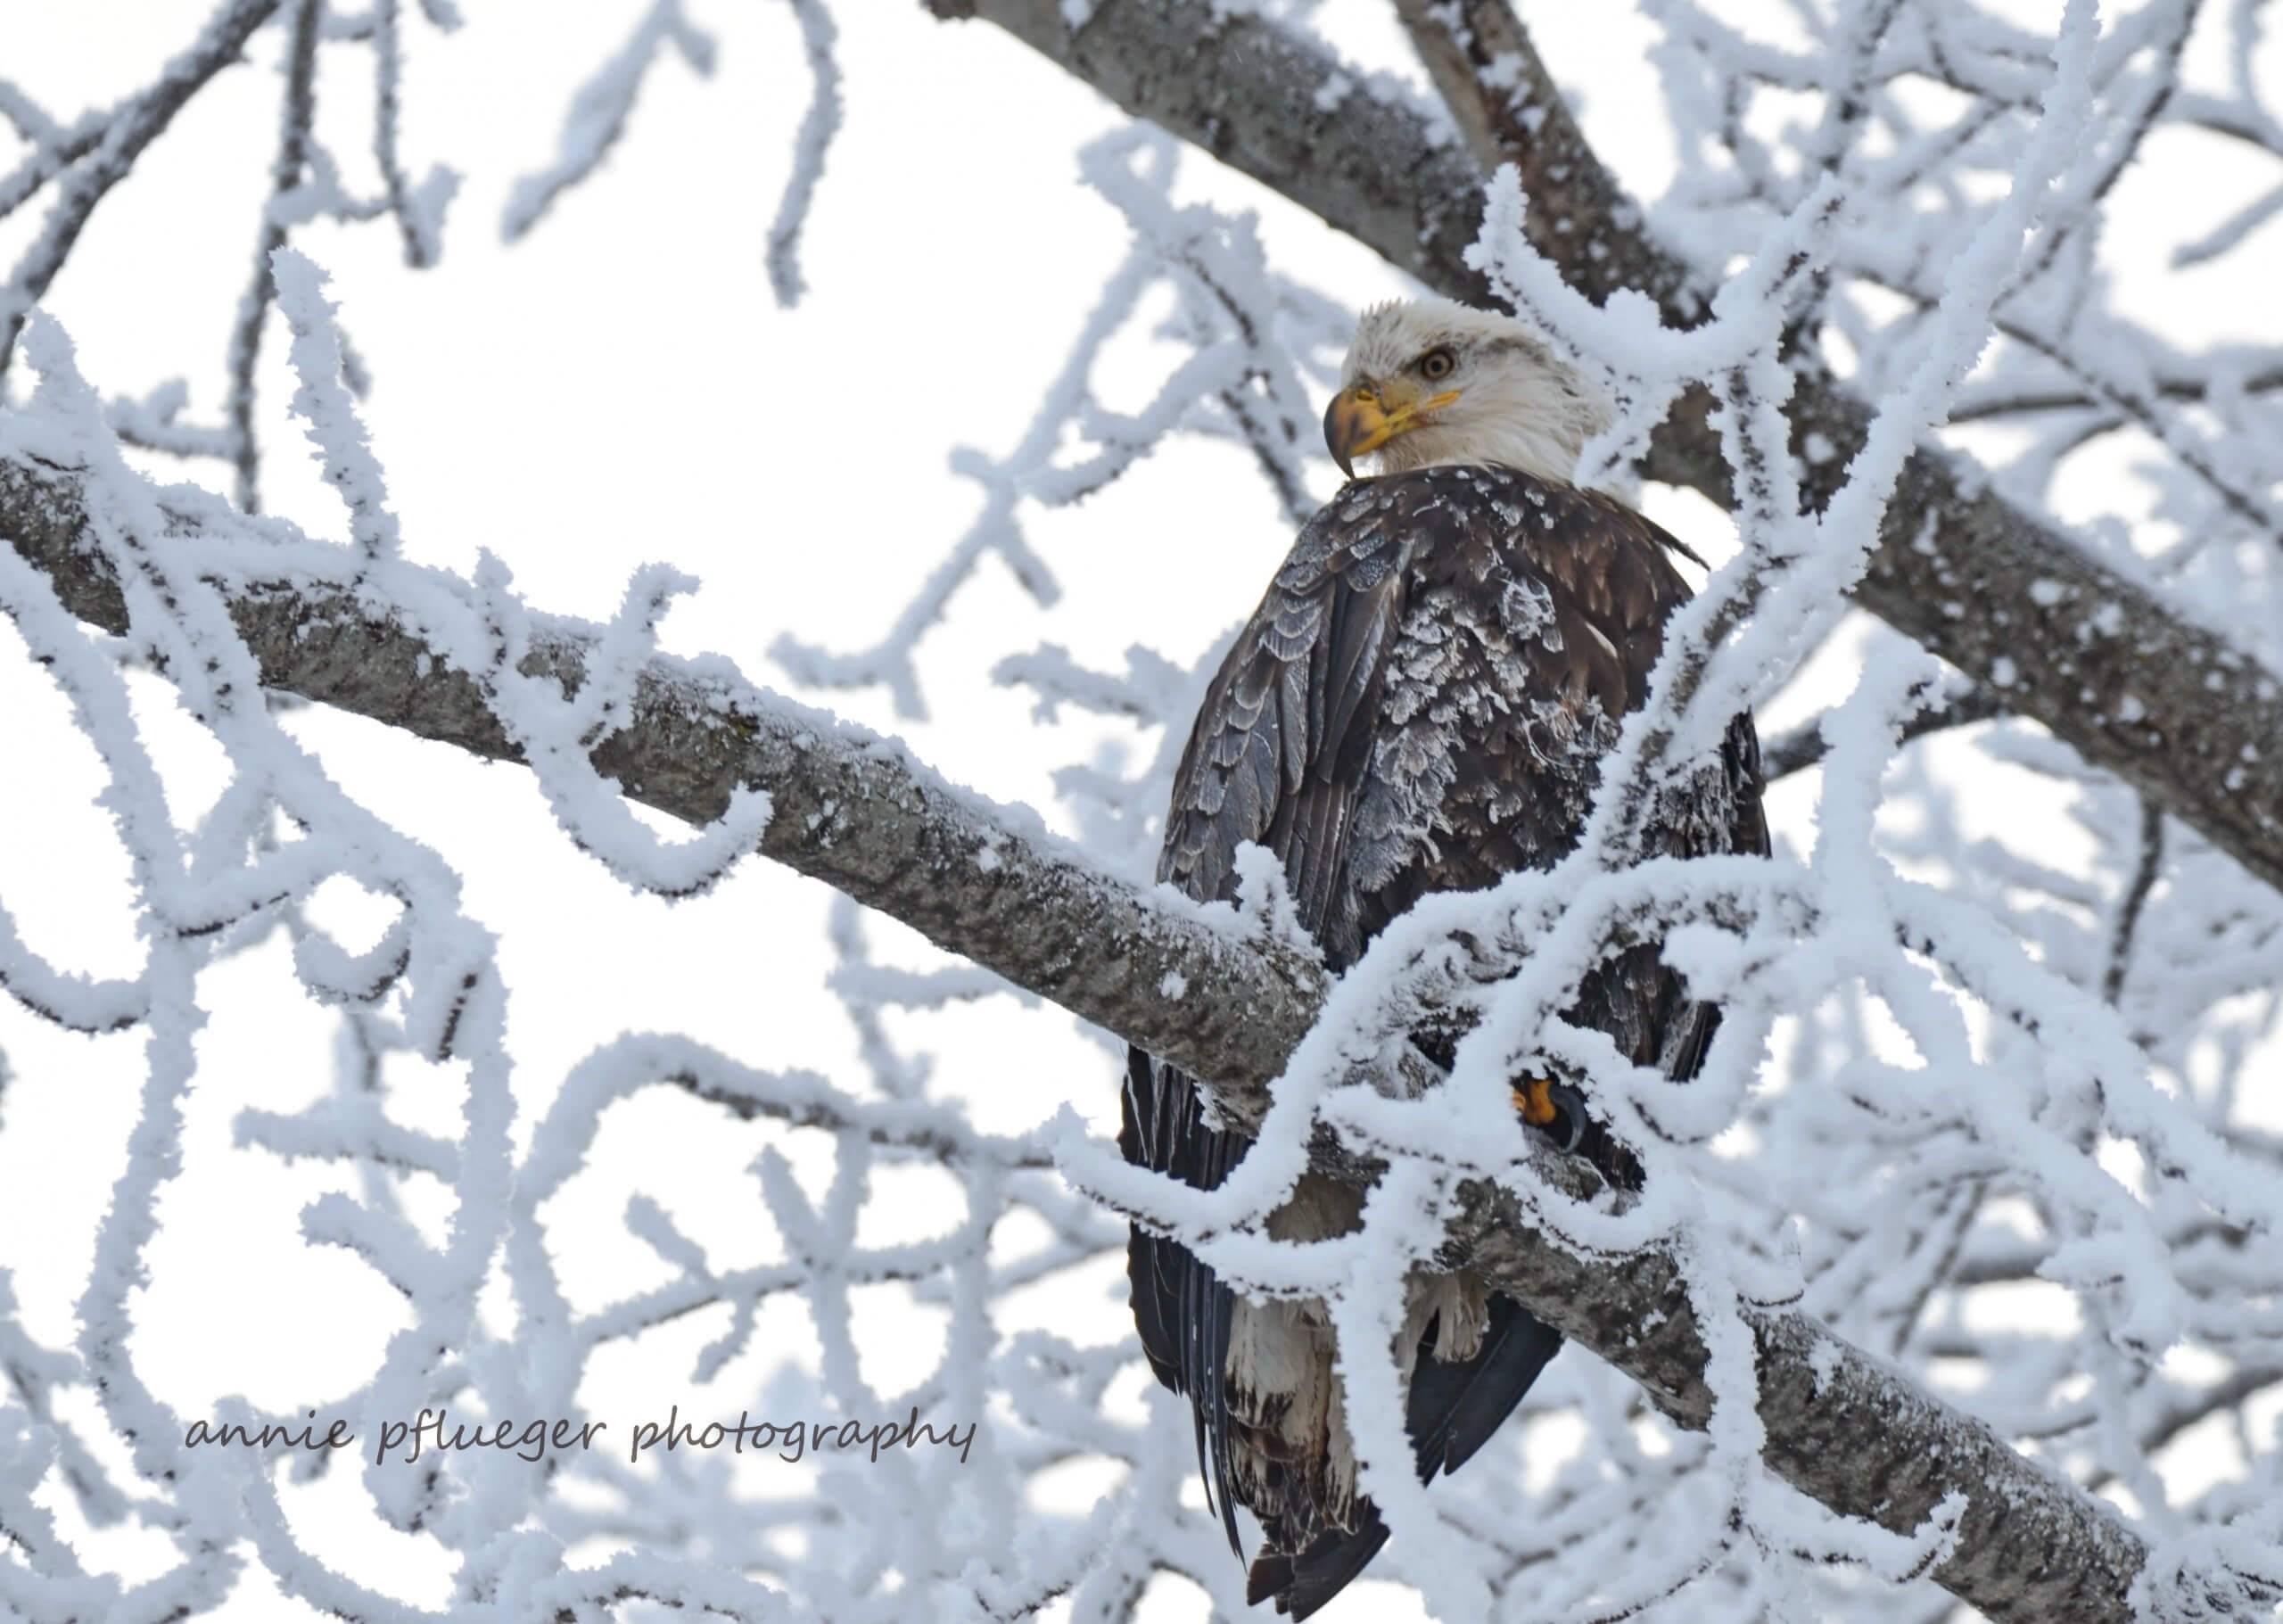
x: 1420, y: 703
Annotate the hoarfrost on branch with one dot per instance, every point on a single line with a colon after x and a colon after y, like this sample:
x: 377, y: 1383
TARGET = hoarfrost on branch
x: 1953, y: 1072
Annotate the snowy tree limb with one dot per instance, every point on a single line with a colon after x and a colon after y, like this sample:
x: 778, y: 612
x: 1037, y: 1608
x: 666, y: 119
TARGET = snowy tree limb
x: 850, y: 808
x: 1804, y: 746
x: 2168, y: 705
x: 857, y: 813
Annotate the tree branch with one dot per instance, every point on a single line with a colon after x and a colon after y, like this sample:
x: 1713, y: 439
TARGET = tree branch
x: 850, y: 808
x: 2170, y: 707
x: 1804, y: 745
x: 107, y: 158
x: 857, y: 813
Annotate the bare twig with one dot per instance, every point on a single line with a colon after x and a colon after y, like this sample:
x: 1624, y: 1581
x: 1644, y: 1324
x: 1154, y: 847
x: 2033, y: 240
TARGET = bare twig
x: 109, y: 157
x: 1803, y: 747
x: 2136, y: 897
x: 295, y: 119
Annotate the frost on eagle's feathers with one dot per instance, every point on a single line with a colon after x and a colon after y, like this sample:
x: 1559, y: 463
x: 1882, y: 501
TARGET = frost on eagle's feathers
x: 1984, y: 1124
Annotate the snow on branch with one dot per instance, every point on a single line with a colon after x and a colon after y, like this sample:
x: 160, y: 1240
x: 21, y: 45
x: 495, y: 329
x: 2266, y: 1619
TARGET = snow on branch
x: 419, y: 210
x: 84, y: 161
x: 1805, y: 746
x: 92, y: 156
x: 818, y: 125
x: 599, y: 110
x: 80, y: 161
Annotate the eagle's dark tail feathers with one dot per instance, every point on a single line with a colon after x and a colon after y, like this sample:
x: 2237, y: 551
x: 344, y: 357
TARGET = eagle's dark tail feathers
x: 1452, y: 1411
x: 1304, y: 1582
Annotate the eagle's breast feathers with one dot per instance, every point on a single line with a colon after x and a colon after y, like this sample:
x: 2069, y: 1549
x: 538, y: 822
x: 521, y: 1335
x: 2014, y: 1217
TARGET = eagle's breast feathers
x: 1422, y: 699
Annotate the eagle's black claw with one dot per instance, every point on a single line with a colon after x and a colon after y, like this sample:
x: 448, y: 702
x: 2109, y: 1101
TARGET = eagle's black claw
x: 1567, y: 1127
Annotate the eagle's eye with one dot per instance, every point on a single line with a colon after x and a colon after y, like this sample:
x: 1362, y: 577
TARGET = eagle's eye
x: 1437, y: 365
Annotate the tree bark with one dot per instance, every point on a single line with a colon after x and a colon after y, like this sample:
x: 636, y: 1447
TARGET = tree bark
x: 2189, y: 720
x: 857, y: 813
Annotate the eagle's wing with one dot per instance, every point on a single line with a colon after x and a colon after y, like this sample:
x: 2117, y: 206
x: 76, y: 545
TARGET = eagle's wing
x: 1276, y: 758
x: 1632, y: 997
x: 1278, y: 752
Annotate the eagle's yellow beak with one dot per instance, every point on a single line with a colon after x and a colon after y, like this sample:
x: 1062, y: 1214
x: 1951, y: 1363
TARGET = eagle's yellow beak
x: 1365, y: 415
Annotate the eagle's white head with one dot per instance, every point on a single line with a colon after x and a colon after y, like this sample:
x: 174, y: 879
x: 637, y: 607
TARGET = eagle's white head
x: 1432, y: 381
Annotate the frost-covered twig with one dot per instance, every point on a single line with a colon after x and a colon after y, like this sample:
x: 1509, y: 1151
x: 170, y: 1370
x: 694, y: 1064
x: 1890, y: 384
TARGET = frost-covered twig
x: 99, y: 154
x: 1250, y: 334
x: 817, y: 126
x: 1805, y: 746
x: 419, y: 210
x: 85, y: 160
x: 296, y: 120
x: 598, y: 112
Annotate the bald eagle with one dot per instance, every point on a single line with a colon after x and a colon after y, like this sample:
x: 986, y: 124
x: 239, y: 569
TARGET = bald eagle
x: 1420, y: 703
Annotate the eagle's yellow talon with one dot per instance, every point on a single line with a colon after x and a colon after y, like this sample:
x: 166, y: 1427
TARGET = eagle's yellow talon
x: 1535, y: 1100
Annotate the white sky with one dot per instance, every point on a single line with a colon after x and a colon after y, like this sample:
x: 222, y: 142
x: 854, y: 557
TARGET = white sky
x: 621, y: 388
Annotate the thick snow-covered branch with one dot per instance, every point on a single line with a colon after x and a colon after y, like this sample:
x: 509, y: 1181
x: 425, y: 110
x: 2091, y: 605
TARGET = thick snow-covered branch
x: 2095, y: 655
x: 850, y: 808
x: 857, y: 813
